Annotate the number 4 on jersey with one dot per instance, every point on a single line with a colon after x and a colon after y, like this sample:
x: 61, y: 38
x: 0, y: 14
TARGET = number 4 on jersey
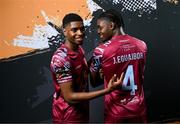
x: 129, y: 76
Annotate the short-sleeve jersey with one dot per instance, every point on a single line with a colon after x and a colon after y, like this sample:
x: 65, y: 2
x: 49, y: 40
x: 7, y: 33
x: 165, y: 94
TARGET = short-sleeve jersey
x: 123, y: 53
x: 68, y: 66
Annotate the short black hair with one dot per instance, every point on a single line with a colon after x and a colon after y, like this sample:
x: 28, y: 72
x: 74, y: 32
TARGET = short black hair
x: 114, y: 16
x: 70, y: 18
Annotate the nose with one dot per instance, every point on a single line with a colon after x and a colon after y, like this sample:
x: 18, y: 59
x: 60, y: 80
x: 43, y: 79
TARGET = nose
x: 79, y: 32
x: 98, y: 31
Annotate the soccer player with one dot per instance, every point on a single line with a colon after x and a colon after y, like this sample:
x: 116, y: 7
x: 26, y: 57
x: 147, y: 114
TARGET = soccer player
x: 120, y: 52
x: 69, y: 71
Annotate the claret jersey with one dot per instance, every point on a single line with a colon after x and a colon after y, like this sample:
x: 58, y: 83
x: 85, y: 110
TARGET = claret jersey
x: 66, y: 66
x: 123, y: 53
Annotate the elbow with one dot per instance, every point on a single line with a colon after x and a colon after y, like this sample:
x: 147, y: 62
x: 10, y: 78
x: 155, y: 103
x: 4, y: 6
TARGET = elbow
x: 70, y: 99
x: 95, y: 79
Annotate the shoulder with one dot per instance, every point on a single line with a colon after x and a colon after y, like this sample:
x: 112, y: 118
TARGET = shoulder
x: 139, y: 42
x: 99, y: 49
x: 60, y: 57
x: 60, y: 53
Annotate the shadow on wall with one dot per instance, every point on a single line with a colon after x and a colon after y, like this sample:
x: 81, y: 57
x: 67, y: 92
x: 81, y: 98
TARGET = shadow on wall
x: 26, y: 89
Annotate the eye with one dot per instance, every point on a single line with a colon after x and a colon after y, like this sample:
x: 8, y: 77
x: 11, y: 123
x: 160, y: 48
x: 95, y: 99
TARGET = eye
x: 99, y: 27
x: 74, y: 30
x: 82, y: 29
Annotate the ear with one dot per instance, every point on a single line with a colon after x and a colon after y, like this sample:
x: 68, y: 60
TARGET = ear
x: 64, y: 31
x: 112, y: 25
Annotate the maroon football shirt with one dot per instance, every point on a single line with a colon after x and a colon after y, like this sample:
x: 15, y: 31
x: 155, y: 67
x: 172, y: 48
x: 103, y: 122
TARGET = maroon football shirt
x: 66, y: 66
x: 127, y: 54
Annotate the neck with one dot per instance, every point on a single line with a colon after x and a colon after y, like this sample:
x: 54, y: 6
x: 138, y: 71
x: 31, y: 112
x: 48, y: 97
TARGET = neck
x: 119, y: 31
x: 71, y: 46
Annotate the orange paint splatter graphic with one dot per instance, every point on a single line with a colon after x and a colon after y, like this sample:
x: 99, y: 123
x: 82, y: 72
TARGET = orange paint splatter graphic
x: 24, y: 25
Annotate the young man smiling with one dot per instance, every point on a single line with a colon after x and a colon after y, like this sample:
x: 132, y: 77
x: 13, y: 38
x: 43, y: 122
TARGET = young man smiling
x: 69, y: 70
x: 120, y: 52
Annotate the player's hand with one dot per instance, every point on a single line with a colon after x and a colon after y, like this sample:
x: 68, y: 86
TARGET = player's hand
x: 115, y: 82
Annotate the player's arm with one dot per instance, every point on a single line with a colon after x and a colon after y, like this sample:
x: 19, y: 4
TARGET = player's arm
x: 74, y: 97
x: 96, y: 74
x: 96, y: 78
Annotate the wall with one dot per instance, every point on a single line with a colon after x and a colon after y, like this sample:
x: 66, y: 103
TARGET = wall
x: 26, y: 85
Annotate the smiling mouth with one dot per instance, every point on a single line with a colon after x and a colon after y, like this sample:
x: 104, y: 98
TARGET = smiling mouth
x: 80, y: 38
x: 101, y: 36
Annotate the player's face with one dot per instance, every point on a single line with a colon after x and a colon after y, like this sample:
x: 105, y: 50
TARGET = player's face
x: 74, y: 32
x: 104, y: 29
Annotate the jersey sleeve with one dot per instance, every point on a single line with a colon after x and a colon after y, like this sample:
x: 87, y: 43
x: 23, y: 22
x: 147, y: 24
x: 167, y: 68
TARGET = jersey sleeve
x: 96, y: 59
x: 60, y: 66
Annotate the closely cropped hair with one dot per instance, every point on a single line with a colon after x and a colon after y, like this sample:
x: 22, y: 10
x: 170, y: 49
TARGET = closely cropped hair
x: 70, y: 18
x: 113, y: 16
